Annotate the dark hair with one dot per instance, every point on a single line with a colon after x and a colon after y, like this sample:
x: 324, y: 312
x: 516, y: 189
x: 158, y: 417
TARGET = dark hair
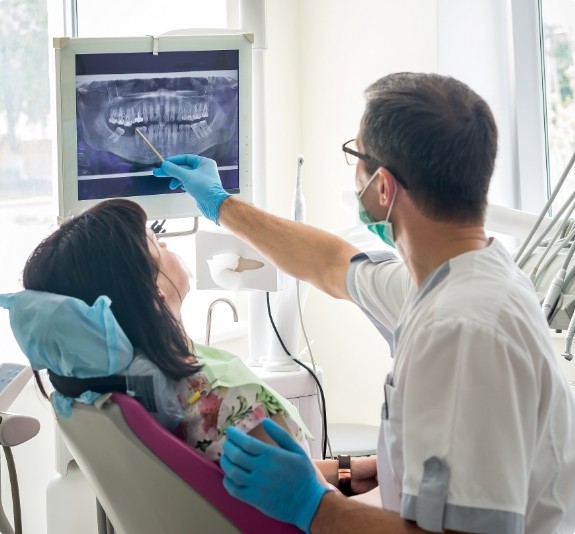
x: 439, y: 136
x: 104, y: 251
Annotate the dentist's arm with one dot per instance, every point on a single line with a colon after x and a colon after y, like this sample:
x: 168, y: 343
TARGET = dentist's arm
x: 302, y: 251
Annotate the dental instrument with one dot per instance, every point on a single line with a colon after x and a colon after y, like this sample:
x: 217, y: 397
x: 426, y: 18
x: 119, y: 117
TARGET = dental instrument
x: 151, y: 147
x: 299, y: 200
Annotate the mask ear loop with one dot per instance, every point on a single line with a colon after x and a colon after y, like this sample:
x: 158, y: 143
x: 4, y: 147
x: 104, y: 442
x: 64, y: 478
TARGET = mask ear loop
x: 361, y: 193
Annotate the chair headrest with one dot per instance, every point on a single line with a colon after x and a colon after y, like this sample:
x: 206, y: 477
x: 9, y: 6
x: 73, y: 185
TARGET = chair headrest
x: 68, y: 337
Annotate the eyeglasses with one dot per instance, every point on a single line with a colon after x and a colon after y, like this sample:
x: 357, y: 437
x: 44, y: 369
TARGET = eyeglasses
x: 352, y: 157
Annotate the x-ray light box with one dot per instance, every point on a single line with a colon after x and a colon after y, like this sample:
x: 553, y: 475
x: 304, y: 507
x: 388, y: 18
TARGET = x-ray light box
x: 187, y: 94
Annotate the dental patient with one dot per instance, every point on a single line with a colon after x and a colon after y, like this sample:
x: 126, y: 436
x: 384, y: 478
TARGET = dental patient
x: 197, y: 391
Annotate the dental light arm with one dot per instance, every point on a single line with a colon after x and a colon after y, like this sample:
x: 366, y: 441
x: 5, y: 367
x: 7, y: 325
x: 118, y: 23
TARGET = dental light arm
x: 538, y: 271
x: 540, y: 256
x: 561, y: 229
x: 542, y: 214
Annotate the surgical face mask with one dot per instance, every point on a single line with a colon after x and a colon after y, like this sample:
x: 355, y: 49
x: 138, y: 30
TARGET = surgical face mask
x: 383, y: 229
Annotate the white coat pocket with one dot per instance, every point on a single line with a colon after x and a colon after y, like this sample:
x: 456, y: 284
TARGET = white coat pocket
x: 390, y: 450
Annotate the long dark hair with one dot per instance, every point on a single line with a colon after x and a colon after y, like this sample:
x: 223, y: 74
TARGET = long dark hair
x: 104, y: 251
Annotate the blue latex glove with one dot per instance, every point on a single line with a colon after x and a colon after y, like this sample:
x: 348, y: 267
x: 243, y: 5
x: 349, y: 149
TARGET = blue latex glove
x: 199, y: 177
x: 280, y: 481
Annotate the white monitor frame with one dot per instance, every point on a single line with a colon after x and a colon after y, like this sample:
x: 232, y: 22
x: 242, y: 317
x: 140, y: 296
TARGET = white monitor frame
x: 157, y: 206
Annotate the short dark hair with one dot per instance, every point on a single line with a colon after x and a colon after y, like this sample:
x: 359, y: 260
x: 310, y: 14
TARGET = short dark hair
x: 104, y: 251
x: 440, y: 137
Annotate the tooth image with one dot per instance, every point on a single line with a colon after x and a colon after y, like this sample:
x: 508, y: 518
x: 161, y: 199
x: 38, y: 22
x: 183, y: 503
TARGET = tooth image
x: 121, y: 116
x: 197, y: 112
x: 113, y: 116
x: 168, y: 134
x: 202, y: 125
x: 129, y: 120
x: 207, y: 129
x: 118, y: 132
x: 197, y: 131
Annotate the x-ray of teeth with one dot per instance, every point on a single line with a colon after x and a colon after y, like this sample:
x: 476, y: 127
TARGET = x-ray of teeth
x: 195, y: 114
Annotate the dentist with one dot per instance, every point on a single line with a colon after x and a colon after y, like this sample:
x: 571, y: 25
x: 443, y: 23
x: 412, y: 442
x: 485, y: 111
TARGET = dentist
x: 478, y: 424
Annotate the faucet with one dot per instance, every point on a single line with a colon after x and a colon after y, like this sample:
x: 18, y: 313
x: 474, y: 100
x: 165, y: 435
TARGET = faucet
x: 209, y: 320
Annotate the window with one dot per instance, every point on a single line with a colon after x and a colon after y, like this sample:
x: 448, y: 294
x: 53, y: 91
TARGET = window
x: 26, y: 211
x: 107, y: 18
x: 27, y: 193
x: 558, y: 22
x: 519, y: 56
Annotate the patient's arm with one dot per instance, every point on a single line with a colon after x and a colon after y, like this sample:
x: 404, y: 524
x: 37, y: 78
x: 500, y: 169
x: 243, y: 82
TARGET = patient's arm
x: 259, y: 433
x: 372, y: 497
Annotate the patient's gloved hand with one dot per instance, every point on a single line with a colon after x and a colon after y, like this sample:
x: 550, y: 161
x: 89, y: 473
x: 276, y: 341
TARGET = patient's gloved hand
x: 199, y: 177
x: 280, y: 481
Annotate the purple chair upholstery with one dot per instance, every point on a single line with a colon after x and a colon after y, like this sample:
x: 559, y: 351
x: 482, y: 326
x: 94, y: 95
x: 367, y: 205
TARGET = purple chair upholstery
x: 146, y: 480
x: 196, y: 470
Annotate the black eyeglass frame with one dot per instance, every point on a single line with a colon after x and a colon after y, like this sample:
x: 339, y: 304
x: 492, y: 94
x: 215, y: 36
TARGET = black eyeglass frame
x: 367, y: 157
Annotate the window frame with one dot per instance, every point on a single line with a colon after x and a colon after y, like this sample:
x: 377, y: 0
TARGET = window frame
x: 514, y: 88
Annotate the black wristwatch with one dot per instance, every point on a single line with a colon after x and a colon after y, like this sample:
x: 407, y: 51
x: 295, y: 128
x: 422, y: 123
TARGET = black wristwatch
x: 344, y: 474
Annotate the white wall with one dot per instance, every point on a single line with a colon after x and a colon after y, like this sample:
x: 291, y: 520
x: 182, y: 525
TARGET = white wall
x: 322, y: 55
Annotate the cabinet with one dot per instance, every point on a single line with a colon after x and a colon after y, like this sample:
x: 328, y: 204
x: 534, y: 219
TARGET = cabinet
x: 300, y: 389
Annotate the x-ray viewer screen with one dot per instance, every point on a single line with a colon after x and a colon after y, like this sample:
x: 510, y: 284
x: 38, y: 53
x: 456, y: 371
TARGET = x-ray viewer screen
x: 183, y: 102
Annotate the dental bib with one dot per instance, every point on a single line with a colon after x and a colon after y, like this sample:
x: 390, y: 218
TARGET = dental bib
x: 224, y: 369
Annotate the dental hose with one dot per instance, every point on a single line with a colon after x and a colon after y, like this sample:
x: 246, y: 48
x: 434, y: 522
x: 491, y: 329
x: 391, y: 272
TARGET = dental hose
x: 313, y: 375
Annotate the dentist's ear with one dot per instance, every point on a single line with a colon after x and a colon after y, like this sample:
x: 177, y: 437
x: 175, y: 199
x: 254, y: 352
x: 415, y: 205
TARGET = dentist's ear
x: 387, y: 187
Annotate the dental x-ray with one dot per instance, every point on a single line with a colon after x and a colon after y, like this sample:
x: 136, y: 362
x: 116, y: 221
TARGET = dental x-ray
x: 183, y: 93
x: 183, y: 102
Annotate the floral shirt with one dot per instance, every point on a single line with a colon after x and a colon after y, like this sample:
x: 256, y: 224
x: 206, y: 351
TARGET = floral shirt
x: 209, y: 411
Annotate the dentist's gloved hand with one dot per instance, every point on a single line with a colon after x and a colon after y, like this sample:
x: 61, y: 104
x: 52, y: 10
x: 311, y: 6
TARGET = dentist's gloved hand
x: 280, y: 481
x: 199, y: 177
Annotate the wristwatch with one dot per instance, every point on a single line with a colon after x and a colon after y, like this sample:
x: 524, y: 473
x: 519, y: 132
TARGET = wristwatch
x: 344, y: 474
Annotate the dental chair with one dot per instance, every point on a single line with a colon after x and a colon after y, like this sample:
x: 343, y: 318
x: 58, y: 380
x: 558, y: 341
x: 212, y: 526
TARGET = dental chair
x: 148, y: 481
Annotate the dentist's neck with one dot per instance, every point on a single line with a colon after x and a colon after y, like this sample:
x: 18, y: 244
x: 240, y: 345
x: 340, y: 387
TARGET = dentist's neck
x: 426, y: 244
